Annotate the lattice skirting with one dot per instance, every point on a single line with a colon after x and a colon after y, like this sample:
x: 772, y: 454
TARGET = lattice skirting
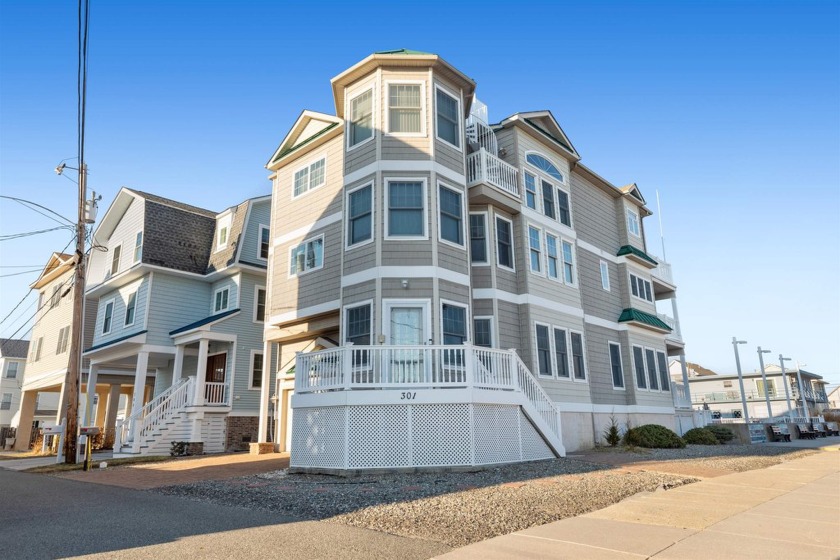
x: 415, y: 435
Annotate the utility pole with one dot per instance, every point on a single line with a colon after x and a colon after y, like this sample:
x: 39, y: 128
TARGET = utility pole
x: 73, y: 378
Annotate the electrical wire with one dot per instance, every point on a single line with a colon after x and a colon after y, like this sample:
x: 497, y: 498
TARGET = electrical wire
x: 11, y: 236
x: 46, y: 302
x: 29, y: 204
x: 20, y: 273
x: 29, y: 293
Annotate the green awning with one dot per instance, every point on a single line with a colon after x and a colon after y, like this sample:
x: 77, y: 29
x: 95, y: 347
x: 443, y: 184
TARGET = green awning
x: 637, y: 316
x: 630, y: 250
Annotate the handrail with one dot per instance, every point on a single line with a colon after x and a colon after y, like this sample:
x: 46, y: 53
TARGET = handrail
x: 177, y: 400
x: 484, y: 167
x: 126, y: 428
x: 537, y: 396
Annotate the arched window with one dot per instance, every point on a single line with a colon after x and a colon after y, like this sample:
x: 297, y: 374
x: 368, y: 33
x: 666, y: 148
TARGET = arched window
x: 543, y: 164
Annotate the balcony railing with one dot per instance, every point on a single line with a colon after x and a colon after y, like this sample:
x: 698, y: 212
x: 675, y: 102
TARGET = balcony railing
x: 671, y: 322
x: 663, y: 271
x: 479, y: 133
x: 734, y: 396
x: 484, y: 167
x: 216, y: 394
x: 680, y: 398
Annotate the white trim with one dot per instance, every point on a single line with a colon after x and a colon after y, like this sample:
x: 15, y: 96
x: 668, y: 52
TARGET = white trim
x: 611, y: 343
x: 546, y: 222
x: 630, y: 280
x: 496, y: 218
x: 610, y: 408
x: 306, y: 311
x: 105, y: 305
x: 346, y: 232
x: 402, y: 166
x: 423, y: 303
x: 423, y: 182
x: 605, y: 278
x: 404, y: 272
x: 463, y: 195
x: 111, y: 271
x: 308, y: 270
x: 600, y: 252
x: 556, y: 369
x: 574, y: 264
x: 387, y: 108
x: 213, y: 301
x: 583, y: 357
x: 530, y: 299
x: 467, y: 317
x: 257, y: 289
x: 550, y: 373
x: 629, y: 212
x: 492, y: 322
x: 458, y: 119
x: 302, y: 232
x: 312, y: 161
x: 635, y: 368
x: 540, y: 252
x: 655, y: 370
x: 251, y: 387
x: 343, y: 326
x: 148, y: 299
x: 599, y: 322
x: 551, y: 178
x: 134, y: 258
x: 667, y: 371
x: 260, y: 229
x: 125, y: 315
x: 486, y: 261
x: 349, y: 97
x: 223, y: 223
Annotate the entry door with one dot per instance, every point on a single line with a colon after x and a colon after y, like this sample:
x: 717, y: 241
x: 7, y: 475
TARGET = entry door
x: 214, y: 391
x: 407, y: 329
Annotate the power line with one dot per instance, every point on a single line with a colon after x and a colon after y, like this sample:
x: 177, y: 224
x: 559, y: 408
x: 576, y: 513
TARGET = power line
x: 20, y: 273
x: 16, y: 306
x: 20, y: 265
x: 11, y: 236
x: 29, y: 204
x: 46, y: 302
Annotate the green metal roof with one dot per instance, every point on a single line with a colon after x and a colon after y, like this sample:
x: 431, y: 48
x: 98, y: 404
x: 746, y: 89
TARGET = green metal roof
x: 305, y: 142
x: 403, y: 51
x: 629, y: 249
x: 631, y: 314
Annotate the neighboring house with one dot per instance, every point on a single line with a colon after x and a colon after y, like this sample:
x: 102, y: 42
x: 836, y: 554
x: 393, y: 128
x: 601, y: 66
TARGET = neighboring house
x: 178, y: 295
x: 834, y: 397
x: 434, y: 243
x: 12, y: 365
x: 722, y: 393
x: 43, y: 395
x: 693, y: 370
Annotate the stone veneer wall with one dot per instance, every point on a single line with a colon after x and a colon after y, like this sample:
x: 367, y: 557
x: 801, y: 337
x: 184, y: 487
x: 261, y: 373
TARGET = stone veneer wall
x: 241, y: 431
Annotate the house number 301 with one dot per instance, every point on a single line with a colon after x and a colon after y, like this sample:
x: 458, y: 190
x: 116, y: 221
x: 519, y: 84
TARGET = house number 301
x: 404, y: 396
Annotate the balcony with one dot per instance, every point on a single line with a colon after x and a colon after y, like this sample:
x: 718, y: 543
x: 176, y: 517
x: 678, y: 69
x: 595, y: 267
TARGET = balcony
x: 480, y: 135
x: 663, y: 271
x: 681, y: 400
x: 735, y: 396
x: 483, y: 168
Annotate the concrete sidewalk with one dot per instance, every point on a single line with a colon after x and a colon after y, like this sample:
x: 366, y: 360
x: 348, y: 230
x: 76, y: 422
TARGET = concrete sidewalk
x: 788, y: 511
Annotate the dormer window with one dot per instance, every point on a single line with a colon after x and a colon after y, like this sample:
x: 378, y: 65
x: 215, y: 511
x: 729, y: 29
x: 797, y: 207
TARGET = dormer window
x: 223, y: 232
x: 633, y: 223
x: 138, y: 246
x: 405, y: 108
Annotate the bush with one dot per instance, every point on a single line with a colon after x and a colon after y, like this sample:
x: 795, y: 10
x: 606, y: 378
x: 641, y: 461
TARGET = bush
x: 611, y: 434
x: 722, y: 433
x: 178, y: 449
x: 653, y: 436
x: 700, y: 436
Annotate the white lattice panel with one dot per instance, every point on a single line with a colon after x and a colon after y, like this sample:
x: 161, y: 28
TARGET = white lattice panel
x: 496, y: 433
x: 533, y: 446
x: 379, y: 436
x: 442, y: 434
x: 318, y: 437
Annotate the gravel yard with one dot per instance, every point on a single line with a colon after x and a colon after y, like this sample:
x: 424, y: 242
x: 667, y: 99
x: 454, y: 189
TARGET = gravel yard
x: 465, y: 507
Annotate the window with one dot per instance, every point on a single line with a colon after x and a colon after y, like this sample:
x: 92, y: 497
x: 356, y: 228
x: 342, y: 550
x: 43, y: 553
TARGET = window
x: 615, y: 366
x: 307, y: 256
x: 259, y: 305
x: 544, y: 165
x: 454, y: 324
x: 577, y: 355
x: 107, y: 317
x: 405, y: 209
x: 483, y: 331
x: 639, y: 365
x: 138, y: 246
x: 6, y: 402
x: 55, y: 298
x: 551, y: 252
x: 451, y: 219
x: 605, y: 276
x: 115, y: 260
x: 568, y: 263
x: 222, y: 241
x: 478, y: 238
x: 256, y: 370
x: 405, y: 108
x: 361, y: 119
x: 543, y: 351
x: 651, y: 367
x: 727, y: 384
x: 63, y: 338
x: 548, y: 200
x: 530, y: 191
x: 640, y: 288
x: 633, y: 223
x: 535, y: 249
x: 358, y: 325
x: 12, y: 370
x: 771, y: 388
x: 662, y: 362
x: 310, y: 177
x: 35, y: 353
x: 561, y: 353
x: 130, y: 308
x: 563, y: 207
x: 263, y: 241
x: 360, y: 215
x: 220, y: 300
x: 448, y: 127
x: 504, y: 243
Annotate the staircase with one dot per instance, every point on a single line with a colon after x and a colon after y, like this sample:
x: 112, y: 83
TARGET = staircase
x: 150, y: 430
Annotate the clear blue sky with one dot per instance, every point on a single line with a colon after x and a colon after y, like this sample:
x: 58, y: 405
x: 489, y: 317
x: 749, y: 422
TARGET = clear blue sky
x: 729, y: 109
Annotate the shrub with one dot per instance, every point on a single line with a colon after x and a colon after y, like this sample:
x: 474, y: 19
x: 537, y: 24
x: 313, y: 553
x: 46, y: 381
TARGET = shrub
x: 611, y: 435
x: 653, y: 436
x: 722, y: 433
x: 700, y: 436
x: 178, y: 449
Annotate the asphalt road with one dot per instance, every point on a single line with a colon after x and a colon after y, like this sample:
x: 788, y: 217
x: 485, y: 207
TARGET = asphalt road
x: 48, y: 517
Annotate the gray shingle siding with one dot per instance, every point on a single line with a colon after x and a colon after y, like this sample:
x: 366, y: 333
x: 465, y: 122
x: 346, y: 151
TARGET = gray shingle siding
x: 177, y: 239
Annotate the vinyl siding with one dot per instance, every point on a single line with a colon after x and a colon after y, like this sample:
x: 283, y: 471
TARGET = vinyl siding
x: 124, y: 235
x: 597, y: 301
x: 445, y: 153
x: 600, y: 367
x: 175, y: 303
x: 310, y: 288
x: 396, y: 147
x: 120, y: 298
x: 596, y: 219
x: 646, y: 397
x: 50, y: 321
x: 260, y: 214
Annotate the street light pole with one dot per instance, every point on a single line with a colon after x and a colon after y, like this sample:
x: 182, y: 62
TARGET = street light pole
x: 782, y: 361
x: 735, y: 343
x: 802, y: 392
x: 764, y: 379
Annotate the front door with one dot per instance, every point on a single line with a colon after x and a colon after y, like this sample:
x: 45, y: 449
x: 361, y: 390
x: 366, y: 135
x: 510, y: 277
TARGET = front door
x: 214, y: 389
x: 407, y: 328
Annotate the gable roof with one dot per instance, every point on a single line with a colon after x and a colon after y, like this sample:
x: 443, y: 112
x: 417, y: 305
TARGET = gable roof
x: 309, y: 126
x: 57, y: 264
x: 14, y: 348
x: 633, y: 191
x: 547, y: 126
x: 173, y: 203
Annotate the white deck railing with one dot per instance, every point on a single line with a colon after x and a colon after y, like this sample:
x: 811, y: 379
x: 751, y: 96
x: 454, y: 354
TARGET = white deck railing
x: 216, y: 393
x: 126, y: 429
x: 484, y: 167
x: 177, y: 400
x: 675, y: 333
x: 663, y: 271
x: 680, y: 398
x: 479, y: 133
x: 538, y: 398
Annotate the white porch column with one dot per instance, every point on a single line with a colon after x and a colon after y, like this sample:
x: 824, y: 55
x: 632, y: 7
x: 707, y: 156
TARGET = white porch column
x: 201, y: 372
x: 111, y: 412
x: 139, y: 382
x: 265, y: 392
x: 685, y: 378
x: 93, y: 374
x: 178, y: 366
